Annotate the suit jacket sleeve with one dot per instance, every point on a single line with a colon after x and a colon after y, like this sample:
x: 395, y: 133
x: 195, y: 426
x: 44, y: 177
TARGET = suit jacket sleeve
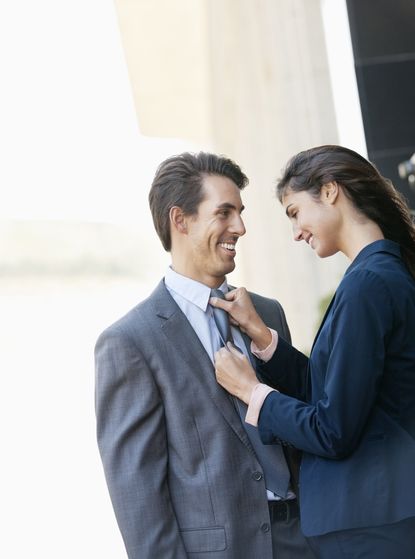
x: 133, y: 446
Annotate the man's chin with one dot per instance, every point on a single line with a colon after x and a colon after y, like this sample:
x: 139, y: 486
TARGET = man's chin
x: 224, y: 267
x: 228, y: 268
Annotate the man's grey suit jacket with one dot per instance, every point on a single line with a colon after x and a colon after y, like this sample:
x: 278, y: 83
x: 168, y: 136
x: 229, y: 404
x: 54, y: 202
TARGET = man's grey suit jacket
x: 182, y: 475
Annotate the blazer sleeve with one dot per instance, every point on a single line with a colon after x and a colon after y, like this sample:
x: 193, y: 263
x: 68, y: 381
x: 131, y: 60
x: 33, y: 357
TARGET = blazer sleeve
x: 287, y: 369
x: 346, y: 367
x: 133, y: 445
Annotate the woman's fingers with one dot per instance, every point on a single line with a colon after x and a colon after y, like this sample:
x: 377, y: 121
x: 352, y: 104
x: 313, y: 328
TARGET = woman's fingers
x: 234, y: 372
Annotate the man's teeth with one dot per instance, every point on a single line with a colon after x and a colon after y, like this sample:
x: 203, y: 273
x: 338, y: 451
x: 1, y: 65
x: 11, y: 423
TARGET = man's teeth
x: 229, y: 246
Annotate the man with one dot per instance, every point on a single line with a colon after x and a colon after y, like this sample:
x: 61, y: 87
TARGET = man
x: 183, y: 476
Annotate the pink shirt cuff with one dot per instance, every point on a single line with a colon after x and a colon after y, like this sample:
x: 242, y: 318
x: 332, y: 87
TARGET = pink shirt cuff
x: 259, y: 393
x: 268, y: 352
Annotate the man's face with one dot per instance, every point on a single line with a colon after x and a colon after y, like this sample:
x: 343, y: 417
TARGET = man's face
x: 212, y: 233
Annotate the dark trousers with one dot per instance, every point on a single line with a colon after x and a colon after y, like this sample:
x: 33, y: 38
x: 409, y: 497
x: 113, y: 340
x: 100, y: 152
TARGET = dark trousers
x: 391, y: 541
x: 288, y: 541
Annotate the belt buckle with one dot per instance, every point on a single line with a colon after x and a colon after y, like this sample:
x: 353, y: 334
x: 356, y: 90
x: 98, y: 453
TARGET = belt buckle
x: 281, y: 510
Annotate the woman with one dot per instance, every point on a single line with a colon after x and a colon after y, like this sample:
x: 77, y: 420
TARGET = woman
x: 350, y: 406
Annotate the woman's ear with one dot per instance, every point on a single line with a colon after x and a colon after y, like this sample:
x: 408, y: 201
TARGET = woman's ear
x: 178, y: 220
x: 329, y: 192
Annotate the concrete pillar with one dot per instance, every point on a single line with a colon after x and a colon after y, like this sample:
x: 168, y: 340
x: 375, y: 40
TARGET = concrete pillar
x: 271, y: 97
x: 248, y: 78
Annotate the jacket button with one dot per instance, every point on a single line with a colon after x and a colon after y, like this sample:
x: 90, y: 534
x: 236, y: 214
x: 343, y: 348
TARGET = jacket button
x: 265, y: 527
x: 257, y: 476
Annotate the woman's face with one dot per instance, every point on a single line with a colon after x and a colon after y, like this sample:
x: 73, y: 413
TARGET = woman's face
x: 315, y: 220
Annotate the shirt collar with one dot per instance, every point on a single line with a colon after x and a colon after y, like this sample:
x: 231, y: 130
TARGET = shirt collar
x: 191, y: 290
x: 383, y: 245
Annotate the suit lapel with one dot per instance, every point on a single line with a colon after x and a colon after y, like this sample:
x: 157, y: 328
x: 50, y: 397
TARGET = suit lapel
x: 181, y: 335
x: 323, y: 321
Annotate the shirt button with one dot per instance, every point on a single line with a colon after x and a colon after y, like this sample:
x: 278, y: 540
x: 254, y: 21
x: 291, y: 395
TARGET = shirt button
x: 257, y: 476
x: 265, y: 527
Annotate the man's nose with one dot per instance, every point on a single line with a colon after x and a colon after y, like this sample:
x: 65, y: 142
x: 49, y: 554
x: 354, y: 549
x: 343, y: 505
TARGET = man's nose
x: 238, y: 226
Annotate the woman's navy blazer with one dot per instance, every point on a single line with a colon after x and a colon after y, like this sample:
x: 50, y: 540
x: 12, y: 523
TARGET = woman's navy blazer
x: 351, y: 406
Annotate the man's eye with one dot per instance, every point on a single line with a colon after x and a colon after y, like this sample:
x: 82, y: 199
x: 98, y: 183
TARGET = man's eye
x: 224, y: 213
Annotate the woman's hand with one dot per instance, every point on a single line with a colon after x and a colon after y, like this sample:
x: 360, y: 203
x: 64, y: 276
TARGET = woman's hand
x: 234, y: 373
x: 242, y: 313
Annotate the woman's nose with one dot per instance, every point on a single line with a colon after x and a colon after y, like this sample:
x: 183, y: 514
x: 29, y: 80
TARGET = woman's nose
x: 298, y: 234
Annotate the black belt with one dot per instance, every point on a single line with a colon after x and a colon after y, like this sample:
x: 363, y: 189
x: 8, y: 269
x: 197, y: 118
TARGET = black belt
x: 282, y: 511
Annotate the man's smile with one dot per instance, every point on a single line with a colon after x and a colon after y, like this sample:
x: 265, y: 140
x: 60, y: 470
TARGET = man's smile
x: 229, y: 245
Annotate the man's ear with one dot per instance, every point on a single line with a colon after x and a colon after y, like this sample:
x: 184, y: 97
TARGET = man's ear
x: 178, y: 220
x: 329, y: 192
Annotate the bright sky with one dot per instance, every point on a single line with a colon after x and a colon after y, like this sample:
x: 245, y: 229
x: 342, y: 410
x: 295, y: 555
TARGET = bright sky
x: 69, y: 140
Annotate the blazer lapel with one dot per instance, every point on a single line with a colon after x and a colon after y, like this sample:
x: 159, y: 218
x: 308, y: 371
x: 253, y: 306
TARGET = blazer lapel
x: 180, y: 333
x: 323, y: 321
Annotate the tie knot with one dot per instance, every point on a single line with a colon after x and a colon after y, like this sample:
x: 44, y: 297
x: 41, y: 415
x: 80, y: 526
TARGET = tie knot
x: 217, y: 293
x: 221, y: 319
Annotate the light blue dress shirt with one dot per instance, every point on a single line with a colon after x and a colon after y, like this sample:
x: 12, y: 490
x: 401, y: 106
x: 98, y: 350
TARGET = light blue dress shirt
x: 193, y: 299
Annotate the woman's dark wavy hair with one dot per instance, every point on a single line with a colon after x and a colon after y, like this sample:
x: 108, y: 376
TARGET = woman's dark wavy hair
x: 373, y: 195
